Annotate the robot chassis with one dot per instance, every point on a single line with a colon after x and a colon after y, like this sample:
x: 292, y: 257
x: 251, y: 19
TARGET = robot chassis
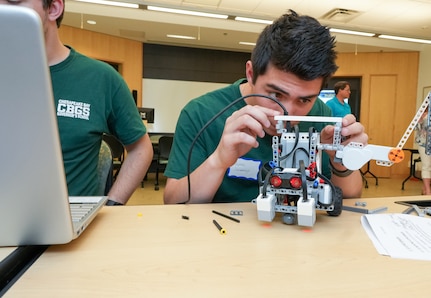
x: 292, y: 182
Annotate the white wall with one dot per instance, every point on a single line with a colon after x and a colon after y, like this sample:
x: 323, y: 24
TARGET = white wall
x: 168, y: 97
x: 424, y: 76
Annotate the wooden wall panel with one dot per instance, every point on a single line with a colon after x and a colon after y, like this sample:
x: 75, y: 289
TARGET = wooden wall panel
x: 381, y: 116
x: 127, y: 53
x: 399, y: 102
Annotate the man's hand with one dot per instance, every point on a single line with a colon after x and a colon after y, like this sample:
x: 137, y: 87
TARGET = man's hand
x: 240, y: 133
x: 351, y: 130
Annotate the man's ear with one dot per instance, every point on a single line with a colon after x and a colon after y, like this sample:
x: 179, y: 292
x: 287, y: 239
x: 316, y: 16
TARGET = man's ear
x: 55, y: 10
x: 249, y: 72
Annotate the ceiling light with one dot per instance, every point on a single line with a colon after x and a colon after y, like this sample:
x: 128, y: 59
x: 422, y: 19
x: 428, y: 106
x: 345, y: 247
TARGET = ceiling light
x: 246, y: 43
x: 180, y: 36
x: 351, y: 32
x: 405, y: 39
x: 251, y: 20
x: 91, y: 22
x: 187, y: 12
x: 112, y: 3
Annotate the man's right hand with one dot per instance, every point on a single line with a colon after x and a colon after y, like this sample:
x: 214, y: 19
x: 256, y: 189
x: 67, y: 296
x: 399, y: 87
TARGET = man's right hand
x: 240, y: 133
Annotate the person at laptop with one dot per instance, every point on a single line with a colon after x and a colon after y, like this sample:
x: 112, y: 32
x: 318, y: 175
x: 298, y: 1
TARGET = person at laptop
x: 291, y: 61
x: 91, y: 98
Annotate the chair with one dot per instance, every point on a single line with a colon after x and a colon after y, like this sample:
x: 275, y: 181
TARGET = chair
x: 117, y: 150
x: 368, y: 172
x: 413, y: 162
x: 104, y: 169
x: 164, y: 149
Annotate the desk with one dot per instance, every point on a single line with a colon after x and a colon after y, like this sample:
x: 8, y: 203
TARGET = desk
x: 14, y: 262
x: 412, y: 168
x: 5, y: 251
x: 150, y: 251
x: 4, y: 267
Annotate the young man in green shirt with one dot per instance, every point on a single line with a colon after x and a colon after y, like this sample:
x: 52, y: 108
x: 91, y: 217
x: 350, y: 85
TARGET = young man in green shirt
x: 292, y: 60
x: 91, y: 99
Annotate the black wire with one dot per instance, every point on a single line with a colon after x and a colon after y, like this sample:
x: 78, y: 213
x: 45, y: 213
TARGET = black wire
x: 304, y: 181
x: 267, y: 177
x: 294, y: 155
x: 332, y: 188
x: 296, y: 128
x: 211, y: 121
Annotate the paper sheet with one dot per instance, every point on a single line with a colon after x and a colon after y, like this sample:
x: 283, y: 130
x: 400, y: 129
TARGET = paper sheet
x: 402, y: 236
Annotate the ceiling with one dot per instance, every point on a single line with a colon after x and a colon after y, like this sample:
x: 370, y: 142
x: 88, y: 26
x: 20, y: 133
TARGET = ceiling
x: 409, y: 18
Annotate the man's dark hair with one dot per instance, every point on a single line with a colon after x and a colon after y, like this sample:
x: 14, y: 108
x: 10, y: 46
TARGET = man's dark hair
x: 46, y: 4
x: 295, y: 44
x: 340, y: 85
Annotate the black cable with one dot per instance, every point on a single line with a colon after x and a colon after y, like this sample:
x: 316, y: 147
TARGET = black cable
x: 211, y: 121
x: 294, y: 155
x: 304, y: 181
x: 296, y: 128
x: 267, y: 177
x: 332, y: 188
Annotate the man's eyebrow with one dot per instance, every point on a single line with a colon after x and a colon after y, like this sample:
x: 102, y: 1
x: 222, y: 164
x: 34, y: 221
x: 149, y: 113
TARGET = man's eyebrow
x: 275, y: 87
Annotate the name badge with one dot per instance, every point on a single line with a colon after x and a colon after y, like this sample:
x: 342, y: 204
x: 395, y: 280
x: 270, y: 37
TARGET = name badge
x: 245, y: 169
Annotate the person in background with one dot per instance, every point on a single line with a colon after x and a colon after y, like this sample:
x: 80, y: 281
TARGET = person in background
x: 338, y: 104
x: 292, y: 60
x: 91, y: 99
x: 421, y: 140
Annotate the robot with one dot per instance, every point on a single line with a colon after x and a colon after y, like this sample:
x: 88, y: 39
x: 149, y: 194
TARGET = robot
x: 292, y: 182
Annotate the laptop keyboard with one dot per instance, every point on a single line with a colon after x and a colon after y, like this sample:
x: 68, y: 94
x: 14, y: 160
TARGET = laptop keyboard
x: 80, y: 210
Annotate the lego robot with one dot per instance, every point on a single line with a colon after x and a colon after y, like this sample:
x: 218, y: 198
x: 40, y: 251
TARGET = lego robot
x: 292, y: 182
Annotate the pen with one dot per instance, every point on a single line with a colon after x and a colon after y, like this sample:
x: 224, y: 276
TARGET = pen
x: 222, y: 231
x: 227, y: 216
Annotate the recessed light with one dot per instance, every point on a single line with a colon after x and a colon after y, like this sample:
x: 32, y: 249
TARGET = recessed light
x: 180, y: 36
x: 351, y: 32
x: 187, y: 12
x: 405, y: 39
x: 252, y: 20
x: 91, y: 22
x: 112, y: 3
x: 246, y: 43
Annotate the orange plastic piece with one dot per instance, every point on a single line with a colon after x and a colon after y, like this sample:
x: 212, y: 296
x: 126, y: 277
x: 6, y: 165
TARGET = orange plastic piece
x: 396, y: 155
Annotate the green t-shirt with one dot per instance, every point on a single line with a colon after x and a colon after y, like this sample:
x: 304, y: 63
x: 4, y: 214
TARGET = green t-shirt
x: 91, y: 98
x: 196, y: 114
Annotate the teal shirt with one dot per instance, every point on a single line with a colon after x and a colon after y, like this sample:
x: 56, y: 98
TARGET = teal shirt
x: 338, y: 109
x: 91, y: 98
x: 196, y: 115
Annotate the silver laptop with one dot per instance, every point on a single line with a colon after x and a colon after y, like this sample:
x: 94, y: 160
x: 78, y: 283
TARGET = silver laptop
x: 34, y: 203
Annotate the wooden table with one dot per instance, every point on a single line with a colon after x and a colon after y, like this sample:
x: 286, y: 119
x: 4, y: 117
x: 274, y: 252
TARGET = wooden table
x: 5, y: 251
x: 151, y: 251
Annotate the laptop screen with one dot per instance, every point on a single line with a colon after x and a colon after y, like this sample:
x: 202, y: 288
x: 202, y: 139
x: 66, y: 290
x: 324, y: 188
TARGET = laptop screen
x: 33, y: 193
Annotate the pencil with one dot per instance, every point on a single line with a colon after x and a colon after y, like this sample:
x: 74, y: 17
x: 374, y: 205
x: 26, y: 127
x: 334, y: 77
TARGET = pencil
x: 222, y: 231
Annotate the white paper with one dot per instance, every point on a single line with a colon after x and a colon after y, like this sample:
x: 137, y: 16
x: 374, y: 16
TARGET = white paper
x: 399, y: 235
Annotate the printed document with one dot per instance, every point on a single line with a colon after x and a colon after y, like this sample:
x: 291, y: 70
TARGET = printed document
x: 402, y: 236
